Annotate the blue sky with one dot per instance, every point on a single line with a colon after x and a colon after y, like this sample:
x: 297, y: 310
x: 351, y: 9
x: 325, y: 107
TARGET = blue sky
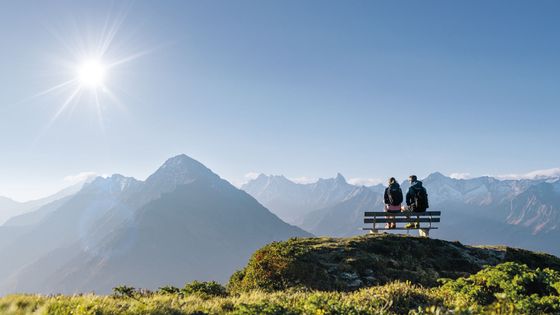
x: 370, y: 89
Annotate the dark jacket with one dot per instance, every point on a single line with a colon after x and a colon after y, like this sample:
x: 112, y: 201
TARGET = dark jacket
x: 417, y: 185
x: 392, y: 186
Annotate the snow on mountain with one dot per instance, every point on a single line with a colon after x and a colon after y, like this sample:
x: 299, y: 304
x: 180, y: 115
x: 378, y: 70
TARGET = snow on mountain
x: 506, y: 211
x: 476, y: 191
x: 379, y: 188
x: 552, y: 173
x: 115, y: 184
x: 180, y: 170
x: 65, y: 224
x: 292, y: 201
x: 537, y: 208
x: 556, y: 185
x: 183, y: 223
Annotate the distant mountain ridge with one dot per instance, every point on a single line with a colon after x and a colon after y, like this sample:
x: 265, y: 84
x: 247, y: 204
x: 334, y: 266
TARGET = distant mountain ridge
x: 271, y: 191
x: 182, y: 223
x: 10, y: 208
x: 524, y: 212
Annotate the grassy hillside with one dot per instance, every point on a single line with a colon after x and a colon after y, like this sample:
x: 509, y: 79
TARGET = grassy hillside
x: 508, y: 288
x: 515, y: 282
x: 346, y: 264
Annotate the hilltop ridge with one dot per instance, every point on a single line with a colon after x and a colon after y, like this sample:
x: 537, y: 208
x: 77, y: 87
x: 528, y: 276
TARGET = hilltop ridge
x: 372, y: 274
x: 347, y: 264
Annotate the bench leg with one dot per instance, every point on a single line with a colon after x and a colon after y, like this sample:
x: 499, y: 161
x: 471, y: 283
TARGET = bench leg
x: 424, y: 232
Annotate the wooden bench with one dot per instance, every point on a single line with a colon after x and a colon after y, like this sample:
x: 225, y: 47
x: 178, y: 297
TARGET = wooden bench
x: 426, y: 221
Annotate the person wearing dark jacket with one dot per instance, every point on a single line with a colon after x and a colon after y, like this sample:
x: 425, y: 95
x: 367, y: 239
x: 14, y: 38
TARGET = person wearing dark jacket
x: 393, y: 198
x: 416, y: 198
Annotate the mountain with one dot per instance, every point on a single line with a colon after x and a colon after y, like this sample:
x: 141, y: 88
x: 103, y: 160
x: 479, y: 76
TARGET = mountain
x: 476, y: 191
x: 61, y: 228
x: 10, y: 209
x: 35, y: 216
x: 340, y: 218
x: 537, y: 208
x: 182, y: 223
x: 523, y: 212
x: 291, y: 201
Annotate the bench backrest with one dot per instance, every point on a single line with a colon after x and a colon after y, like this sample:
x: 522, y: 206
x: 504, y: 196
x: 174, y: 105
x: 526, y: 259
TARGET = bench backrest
x: 402, y: 217
x: 405, y: 213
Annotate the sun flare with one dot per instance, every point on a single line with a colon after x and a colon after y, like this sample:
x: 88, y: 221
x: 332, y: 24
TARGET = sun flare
x: 90, y: 57
x: 91, y: 73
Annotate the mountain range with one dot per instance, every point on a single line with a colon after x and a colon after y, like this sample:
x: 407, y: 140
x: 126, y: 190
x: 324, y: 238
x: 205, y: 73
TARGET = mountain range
x: 10, y: 208
x: 483, y: 210
x: 290, y: 201
x: 182, y: 223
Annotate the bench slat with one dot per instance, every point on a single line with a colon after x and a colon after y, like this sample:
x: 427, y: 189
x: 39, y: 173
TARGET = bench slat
x: 402, y: 220
x: 400, y: 229
x: 382, y: 214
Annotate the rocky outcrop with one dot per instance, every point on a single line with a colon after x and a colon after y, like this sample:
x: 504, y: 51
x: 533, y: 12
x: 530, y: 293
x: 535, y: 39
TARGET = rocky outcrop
x: 346, y: 264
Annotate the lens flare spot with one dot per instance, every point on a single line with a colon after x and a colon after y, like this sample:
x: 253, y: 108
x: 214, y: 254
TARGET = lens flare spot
x: 91, y: 73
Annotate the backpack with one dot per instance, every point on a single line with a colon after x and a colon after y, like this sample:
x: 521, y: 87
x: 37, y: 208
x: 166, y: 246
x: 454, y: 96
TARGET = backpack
x: 395, y: 195
x: 420, y: 199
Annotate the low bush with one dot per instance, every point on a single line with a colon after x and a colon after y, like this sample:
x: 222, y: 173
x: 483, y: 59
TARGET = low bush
x: 168, y: 290
x: 508, y: 286
x: 124, y: 291
x: 205, y: 288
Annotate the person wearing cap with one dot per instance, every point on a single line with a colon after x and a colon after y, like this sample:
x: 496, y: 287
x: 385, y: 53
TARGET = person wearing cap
x: 416, y: 199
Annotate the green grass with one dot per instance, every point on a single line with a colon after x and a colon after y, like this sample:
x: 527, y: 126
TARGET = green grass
x: 395, y: 298
x: 508, y: 288
x: 374, y: 274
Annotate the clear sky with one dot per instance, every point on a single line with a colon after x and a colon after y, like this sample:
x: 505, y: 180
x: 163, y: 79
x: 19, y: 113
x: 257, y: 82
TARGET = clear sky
x: 370, y: 89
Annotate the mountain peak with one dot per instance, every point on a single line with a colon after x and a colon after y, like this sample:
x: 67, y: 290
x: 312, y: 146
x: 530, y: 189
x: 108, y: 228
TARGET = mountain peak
x: 114, y: 183
x: 182, y: 163
x: 436, y: 175
x: 181, y: 160
x: 337, y: 179
x: 181, y: 169
x: 272, y: 178
x: 261, y: 176
x: 340, y: 178
x: 281, y: 177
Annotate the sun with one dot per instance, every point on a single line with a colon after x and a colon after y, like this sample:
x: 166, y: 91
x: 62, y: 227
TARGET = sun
x: 90, y: 57
x: 91, y: 73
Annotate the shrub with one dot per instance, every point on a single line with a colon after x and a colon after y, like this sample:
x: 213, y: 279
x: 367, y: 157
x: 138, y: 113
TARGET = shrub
x: 279, y: 266
x: 235, y: 284
x: 506, y: 286
x: 210, y: 288
x: 263, y: 308
x: 168, y: 290
x: 124, y: 291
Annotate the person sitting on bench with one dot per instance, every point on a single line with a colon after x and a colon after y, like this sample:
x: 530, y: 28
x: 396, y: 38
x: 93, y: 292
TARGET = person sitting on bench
x: 393, y: 199
x: 416, y: 199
